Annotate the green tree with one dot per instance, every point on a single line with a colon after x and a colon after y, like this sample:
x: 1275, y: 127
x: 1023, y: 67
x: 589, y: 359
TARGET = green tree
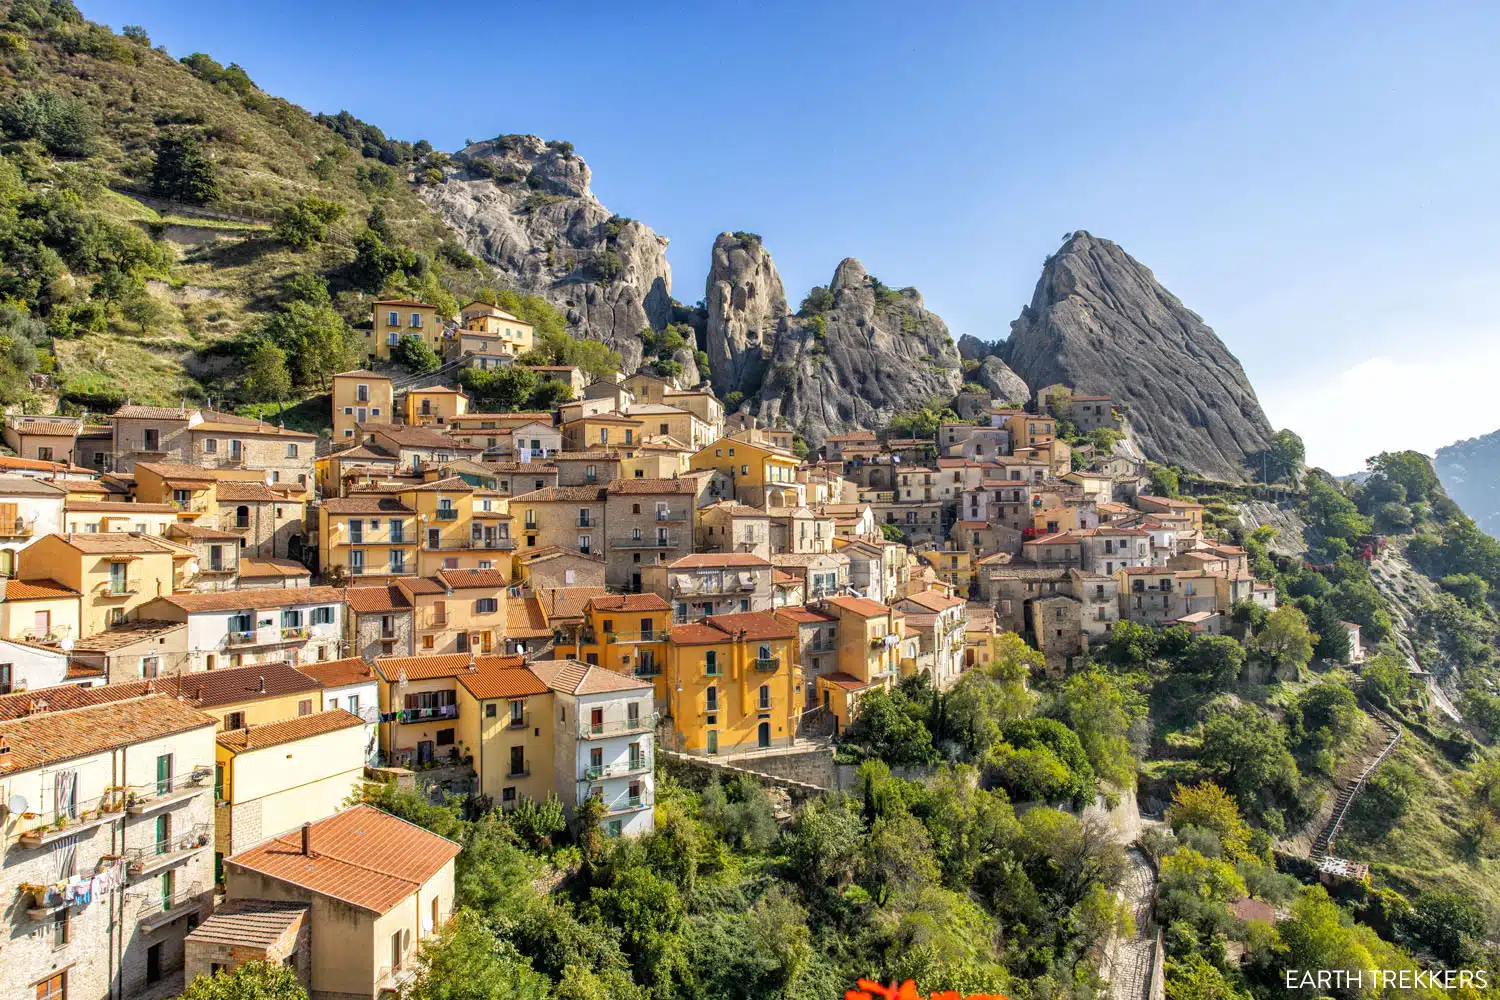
x: 1195, y: 978
x: 499, y: 389
x: 822, y: 843
x: 1093, y: 705
x: 416, y: 356
x: 306, y: 222
x: 1409, y: 469
x: 66, y: 126
x: 1247, y: 750
x: 317, y: 341
x: 1285, y: 458
x: 249, y: 981
x: 1043, y: 759
x: 1165, y: 481
x: 182, y: 171
x: 1217, y: 658
x: 1387, y: 681
x: 465, y: 961
x: 649, y: 912
x: 1207, y: 806
x: 888, y: 728
x: 266, y: 376
x: 1285, y: 641
x: 142, y: 309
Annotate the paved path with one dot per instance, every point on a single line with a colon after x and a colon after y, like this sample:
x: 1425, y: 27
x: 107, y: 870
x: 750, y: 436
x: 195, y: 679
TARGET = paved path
x: 1130, y: 957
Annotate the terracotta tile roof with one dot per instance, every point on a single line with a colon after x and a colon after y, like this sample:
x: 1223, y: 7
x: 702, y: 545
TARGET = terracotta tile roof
x: 1169, y: 502
x: 48, y: 427
x: 424, y: 668
x: 804, y: 616
x: 211, y: 688
x: 474, y: 579
x: 453, y: 484
x: 733, y: 509
x: 93, y: 487
x: 1061, y: 538
x: 605, y: 418
x: 362, y: 373
x: 536, y: 468
x: 340, y: 673
x: 525, y: 620
x: 222, y: 425
x: 802, y: 560
x: 563, y: 494
x: 652, y: 487
x: 116, y: 542
x: 440, y: 390
x: 585, y: 456
x: 749, y: 626
x: 193, y: 532
x: 126, y: 634
x: 272, y: 568
x: 1147, y: 570
x: 56, y: 736
x: 68, y: 696
x: 716, y: 560
x: 287, y: 731
x: 502, y: 677
x: 254, y: 923
x: 369, y: 600
x: 629, y: 602
x: 421, y: 585
x: 583, y: 678
x: 846, y: 681
x: 7, y: 462
x: 934, y: 601
x: 255, y: 600
x: 362, y: 856
x: 404, y: 302
x: 366, y: 505
x: 371, y: 452
x: 130, y: 412
x: 239, y: 492
x: 566, y: 602
x: 861, y: 606
x: 417, y: 437
x: 36, y: 590
x: 780, y: 579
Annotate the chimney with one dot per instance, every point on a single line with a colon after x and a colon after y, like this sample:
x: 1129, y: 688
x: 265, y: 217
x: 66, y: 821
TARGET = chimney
x: 307, y: 839
x: 262, y: 687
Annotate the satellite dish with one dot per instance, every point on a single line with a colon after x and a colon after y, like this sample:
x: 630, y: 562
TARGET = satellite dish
x: 17, y: 805
x: 66, y: 645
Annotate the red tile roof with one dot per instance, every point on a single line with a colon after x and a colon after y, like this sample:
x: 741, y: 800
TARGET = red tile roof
x: 370, y: 600
x: 423, y: 668
x: 361, y: 856
x: 525, y: 620
x: 583, y: 678
x: 255, y: 600
x: 846, y: 681
x: 861, y: 606
x: 629, y: 602
x: 750, y: 626
x: 56, y: 736
x: 287, y: 731
x: 36, y: 590
x: 502, y: 677
x: 212, y: 688
x: 804, y: 616
x: 340, y: 673
x: 652, y: 487
x: 716, y: 560
x: 934, y: 600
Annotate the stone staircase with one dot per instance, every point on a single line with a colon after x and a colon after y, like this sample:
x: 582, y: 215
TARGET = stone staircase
x: 1322, y: 845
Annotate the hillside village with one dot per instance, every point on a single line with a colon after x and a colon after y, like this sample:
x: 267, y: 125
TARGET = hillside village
x: 402, y: 595
x: 514, y: 605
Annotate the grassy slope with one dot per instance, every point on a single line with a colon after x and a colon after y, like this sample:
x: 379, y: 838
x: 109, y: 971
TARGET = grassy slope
x: 265, y: 149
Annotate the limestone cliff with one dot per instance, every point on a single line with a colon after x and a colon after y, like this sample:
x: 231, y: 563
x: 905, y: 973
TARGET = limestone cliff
x: 1100, y: 321
x: 525, y: 206
x: 871, y: 353
x: 747, y: 312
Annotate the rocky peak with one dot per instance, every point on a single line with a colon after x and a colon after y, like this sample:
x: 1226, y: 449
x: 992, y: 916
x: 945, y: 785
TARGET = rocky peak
x: 1100, y: 322
x: 524, y: 205
x: 746, y: 312
x: 864, y: 353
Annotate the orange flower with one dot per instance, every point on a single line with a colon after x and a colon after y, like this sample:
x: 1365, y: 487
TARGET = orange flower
x: 868, y: 989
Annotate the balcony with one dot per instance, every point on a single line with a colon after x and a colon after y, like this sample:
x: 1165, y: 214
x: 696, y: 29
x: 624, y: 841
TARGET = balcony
x: 148, y: 798
x: 648, y: 669
x: 432, y: 621
x: 525, y: 771
x: 240, y: 639
x: 522, y: 721
x: 436, y: 712
x: 220, y: 570
x: 48, y: 637
x: 167, y: 853
x: 582, y: 522
x: 620, y: 768
x: 160, y: 909
x: 617, y: 727
x: 17, y: 528
x: 768, y: 664
x: 381, y: 538
x: 672, y: 516
x: 668, y: 542
x: 589, y: 637
x: 488, y: 543
x: 114, y: 588
x: 447, y: 514
x: 299, y: 634
x: 190, y: 508
x: 85, y: 815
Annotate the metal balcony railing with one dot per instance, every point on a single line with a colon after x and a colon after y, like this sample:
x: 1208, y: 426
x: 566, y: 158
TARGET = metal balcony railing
x: 295, y: 634
x: 669, y: 542
x: 525, y: 772
x: 140, y: 860
x: 219, y: 570
x: 382, y: 538
x: 151, y: 795
x: 672, y: 516
x: 768, y: 664
x: 428, y: 714
x: 17, y: 528
x: 582, y: 522
x: 240, y: 639
x: 631, y: 765
x: 113, y: 588
x: 56, y: 633
x: 522, y: 721
x: 47, y: 825
x: 159, y: 905
x: 589, y: 637
x: 617, y: 727
x: 447, y: 514
x: 190, y: 506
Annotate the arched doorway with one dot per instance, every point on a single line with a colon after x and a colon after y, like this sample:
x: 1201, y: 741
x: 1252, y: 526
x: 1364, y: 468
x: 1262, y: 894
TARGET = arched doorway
x: 763, y: 735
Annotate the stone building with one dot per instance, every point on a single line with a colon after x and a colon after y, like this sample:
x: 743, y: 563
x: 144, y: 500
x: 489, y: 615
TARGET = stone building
x: 650, y: 521
x: 379, y: 622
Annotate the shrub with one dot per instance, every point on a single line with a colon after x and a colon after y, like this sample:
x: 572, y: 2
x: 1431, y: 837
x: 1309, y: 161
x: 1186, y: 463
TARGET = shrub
x: 182, y: 172
x: 306, y: 223
x: 64, y: 125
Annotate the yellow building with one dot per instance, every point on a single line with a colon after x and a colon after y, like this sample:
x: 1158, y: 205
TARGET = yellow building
x: 115, y: 573
x: 40, y: 611
x: 1027, y: 430
x: 733, y: 682
x: 873, y: 644
x: 461, y: 527
x: 490, y: 330
x: 392, y: 319
x: 626, y: 633
x: 952, y: 567
x: 423, y: 720
x: 360, y: 397
x: 459, y: 611
x: 369, y: 537
x: 505, y: 711
x: 271, y: 778
x: 437, y: 404
x: 763, y: 476
x: 82, y: 513
x: 607, y: 431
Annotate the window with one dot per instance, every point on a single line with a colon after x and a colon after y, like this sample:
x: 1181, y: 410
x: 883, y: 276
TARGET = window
x: 764, y: 703
x: 304, y: 707
x: 322, y: 616
x: 711, y: 663
x: 6, y: 677
x: 633, y: 713
x: 59, y: 932
x: 53, y: 988
x: 152, y: 439
x: 486, y: 605
x: 711, y: 699
x: 234, y: 720
x: 291, y: 451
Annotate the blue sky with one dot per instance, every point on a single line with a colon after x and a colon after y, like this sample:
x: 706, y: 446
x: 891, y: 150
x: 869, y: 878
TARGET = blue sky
x: 1317, y: 181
